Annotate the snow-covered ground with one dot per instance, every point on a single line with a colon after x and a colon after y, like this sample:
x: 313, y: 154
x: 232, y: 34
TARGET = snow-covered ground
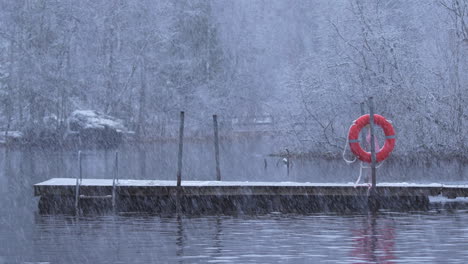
x: 91, y: 119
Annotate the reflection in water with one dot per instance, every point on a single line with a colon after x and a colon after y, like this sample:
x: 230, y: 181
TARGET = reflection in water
x: 215, y: 241
x: 217, y: 237
x: 180, y: 238
x: 373, y: 242
x: 275, y: 238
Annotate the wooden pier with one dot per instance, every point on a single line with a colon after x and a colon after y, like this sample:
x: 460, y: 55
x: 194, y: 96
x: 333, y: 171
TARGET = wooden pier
x: 59, y: 195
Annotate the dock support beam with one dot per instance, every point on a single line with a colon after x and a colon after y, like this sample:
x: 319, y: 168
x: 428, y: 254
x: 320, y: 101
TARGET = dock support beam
x: 216, y: 145
x: 181, y: 147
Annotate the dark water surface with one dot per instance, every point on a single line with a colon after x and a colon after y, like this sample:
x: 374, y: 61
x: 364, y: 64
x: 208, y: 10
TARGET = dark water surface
x: 434, y: 236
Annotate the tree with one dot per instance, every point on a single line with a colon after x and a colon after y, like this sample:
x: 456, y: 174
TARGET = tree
x: 457, y: 65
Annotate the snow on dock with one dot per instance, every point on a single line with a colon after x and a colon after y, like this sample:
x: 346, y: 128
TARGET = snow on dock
x: 200, y: 196
x: 120, y: 182
x: 48, y: 187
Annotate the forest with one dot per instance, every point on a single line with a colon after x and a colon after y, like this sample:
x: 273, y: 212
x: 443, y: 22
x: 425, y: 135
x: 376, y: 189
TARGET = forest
x: 306, y: 65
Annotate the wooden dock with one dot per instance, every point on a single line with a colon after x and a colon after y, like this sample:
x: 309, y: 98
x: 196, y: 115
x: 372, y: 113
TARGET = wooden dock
x: 59, y: 195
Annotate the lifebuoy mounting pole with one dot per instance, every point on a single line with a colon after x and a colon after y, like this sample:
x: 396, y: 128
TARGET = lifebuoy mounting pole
x: 374, y: 156
x: 372, y: 144
x: 363, y: 112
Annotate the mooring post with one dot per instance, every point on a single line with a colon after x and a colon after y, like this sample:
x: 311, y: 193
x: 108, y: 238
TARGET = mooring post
x: 181, y: 145
x: 216, y: 145
x: 81, y: 168
x: 78, y: 183
x: 116, y: 172
x: 115, y: 180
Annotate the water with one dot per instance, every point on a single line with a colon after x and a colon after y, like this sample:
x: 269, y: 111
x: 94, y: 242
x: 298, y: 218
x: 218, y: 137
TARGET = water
x: 435, y: 236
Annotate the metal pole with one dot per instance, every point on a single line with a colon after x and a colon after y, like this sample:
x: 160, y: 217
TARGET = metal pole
x: 372, y: 142
x: 216, y: 145
x: 363, y: 137
x: 181, y: 144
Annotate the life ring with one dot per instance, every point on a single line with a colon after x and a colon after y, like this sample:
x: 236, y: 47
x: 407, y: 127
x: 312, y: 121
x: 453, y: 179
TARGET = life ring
x: 353, y: 138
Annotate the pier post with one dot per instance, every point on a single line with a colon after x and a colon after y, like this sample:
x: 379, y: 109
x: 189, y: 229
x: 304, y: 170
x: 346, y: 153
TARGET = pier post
x: 216, y: 145
x: 181, y: 146
x: 116, y: 172
x: 115, y: 181
x: 363, y: 137
x: 372, y: 141
x: 79, y: 178
x: 80, y: 157
x: 373, y: 199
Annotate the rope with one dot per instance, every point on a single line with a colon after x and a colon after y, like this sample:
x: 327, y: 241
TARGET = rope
x: 349, y: 162
x: 360, y: 172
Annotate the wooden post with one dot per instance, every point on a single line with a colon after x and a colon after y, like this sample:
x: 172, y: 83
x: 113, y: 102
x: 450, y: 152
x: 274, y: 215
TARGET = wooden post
x: 79, y: 164
x: 181, y: 145
x: 216, y: 145
x: 115, y: 180
x: 116, y: 172
x: 78, y: 183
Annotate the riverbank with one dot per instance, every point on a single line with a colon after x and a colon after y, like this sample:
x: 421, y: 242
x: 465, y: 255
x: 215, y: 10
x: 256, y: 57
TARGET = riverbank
x: 419, y: 156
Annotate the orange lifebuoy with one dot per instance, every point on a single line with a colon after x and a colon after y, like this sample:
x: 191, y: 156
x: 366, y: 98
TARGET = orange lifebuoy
x: 353, y: 138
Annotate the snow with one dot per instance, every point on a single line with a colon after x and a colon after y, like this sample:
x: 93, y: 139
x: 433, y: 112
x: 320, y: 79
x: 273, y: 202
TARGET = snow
x: 95, y: 120
x: 443, y: 199
x: 108, y: 182
x: 12, y: 134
